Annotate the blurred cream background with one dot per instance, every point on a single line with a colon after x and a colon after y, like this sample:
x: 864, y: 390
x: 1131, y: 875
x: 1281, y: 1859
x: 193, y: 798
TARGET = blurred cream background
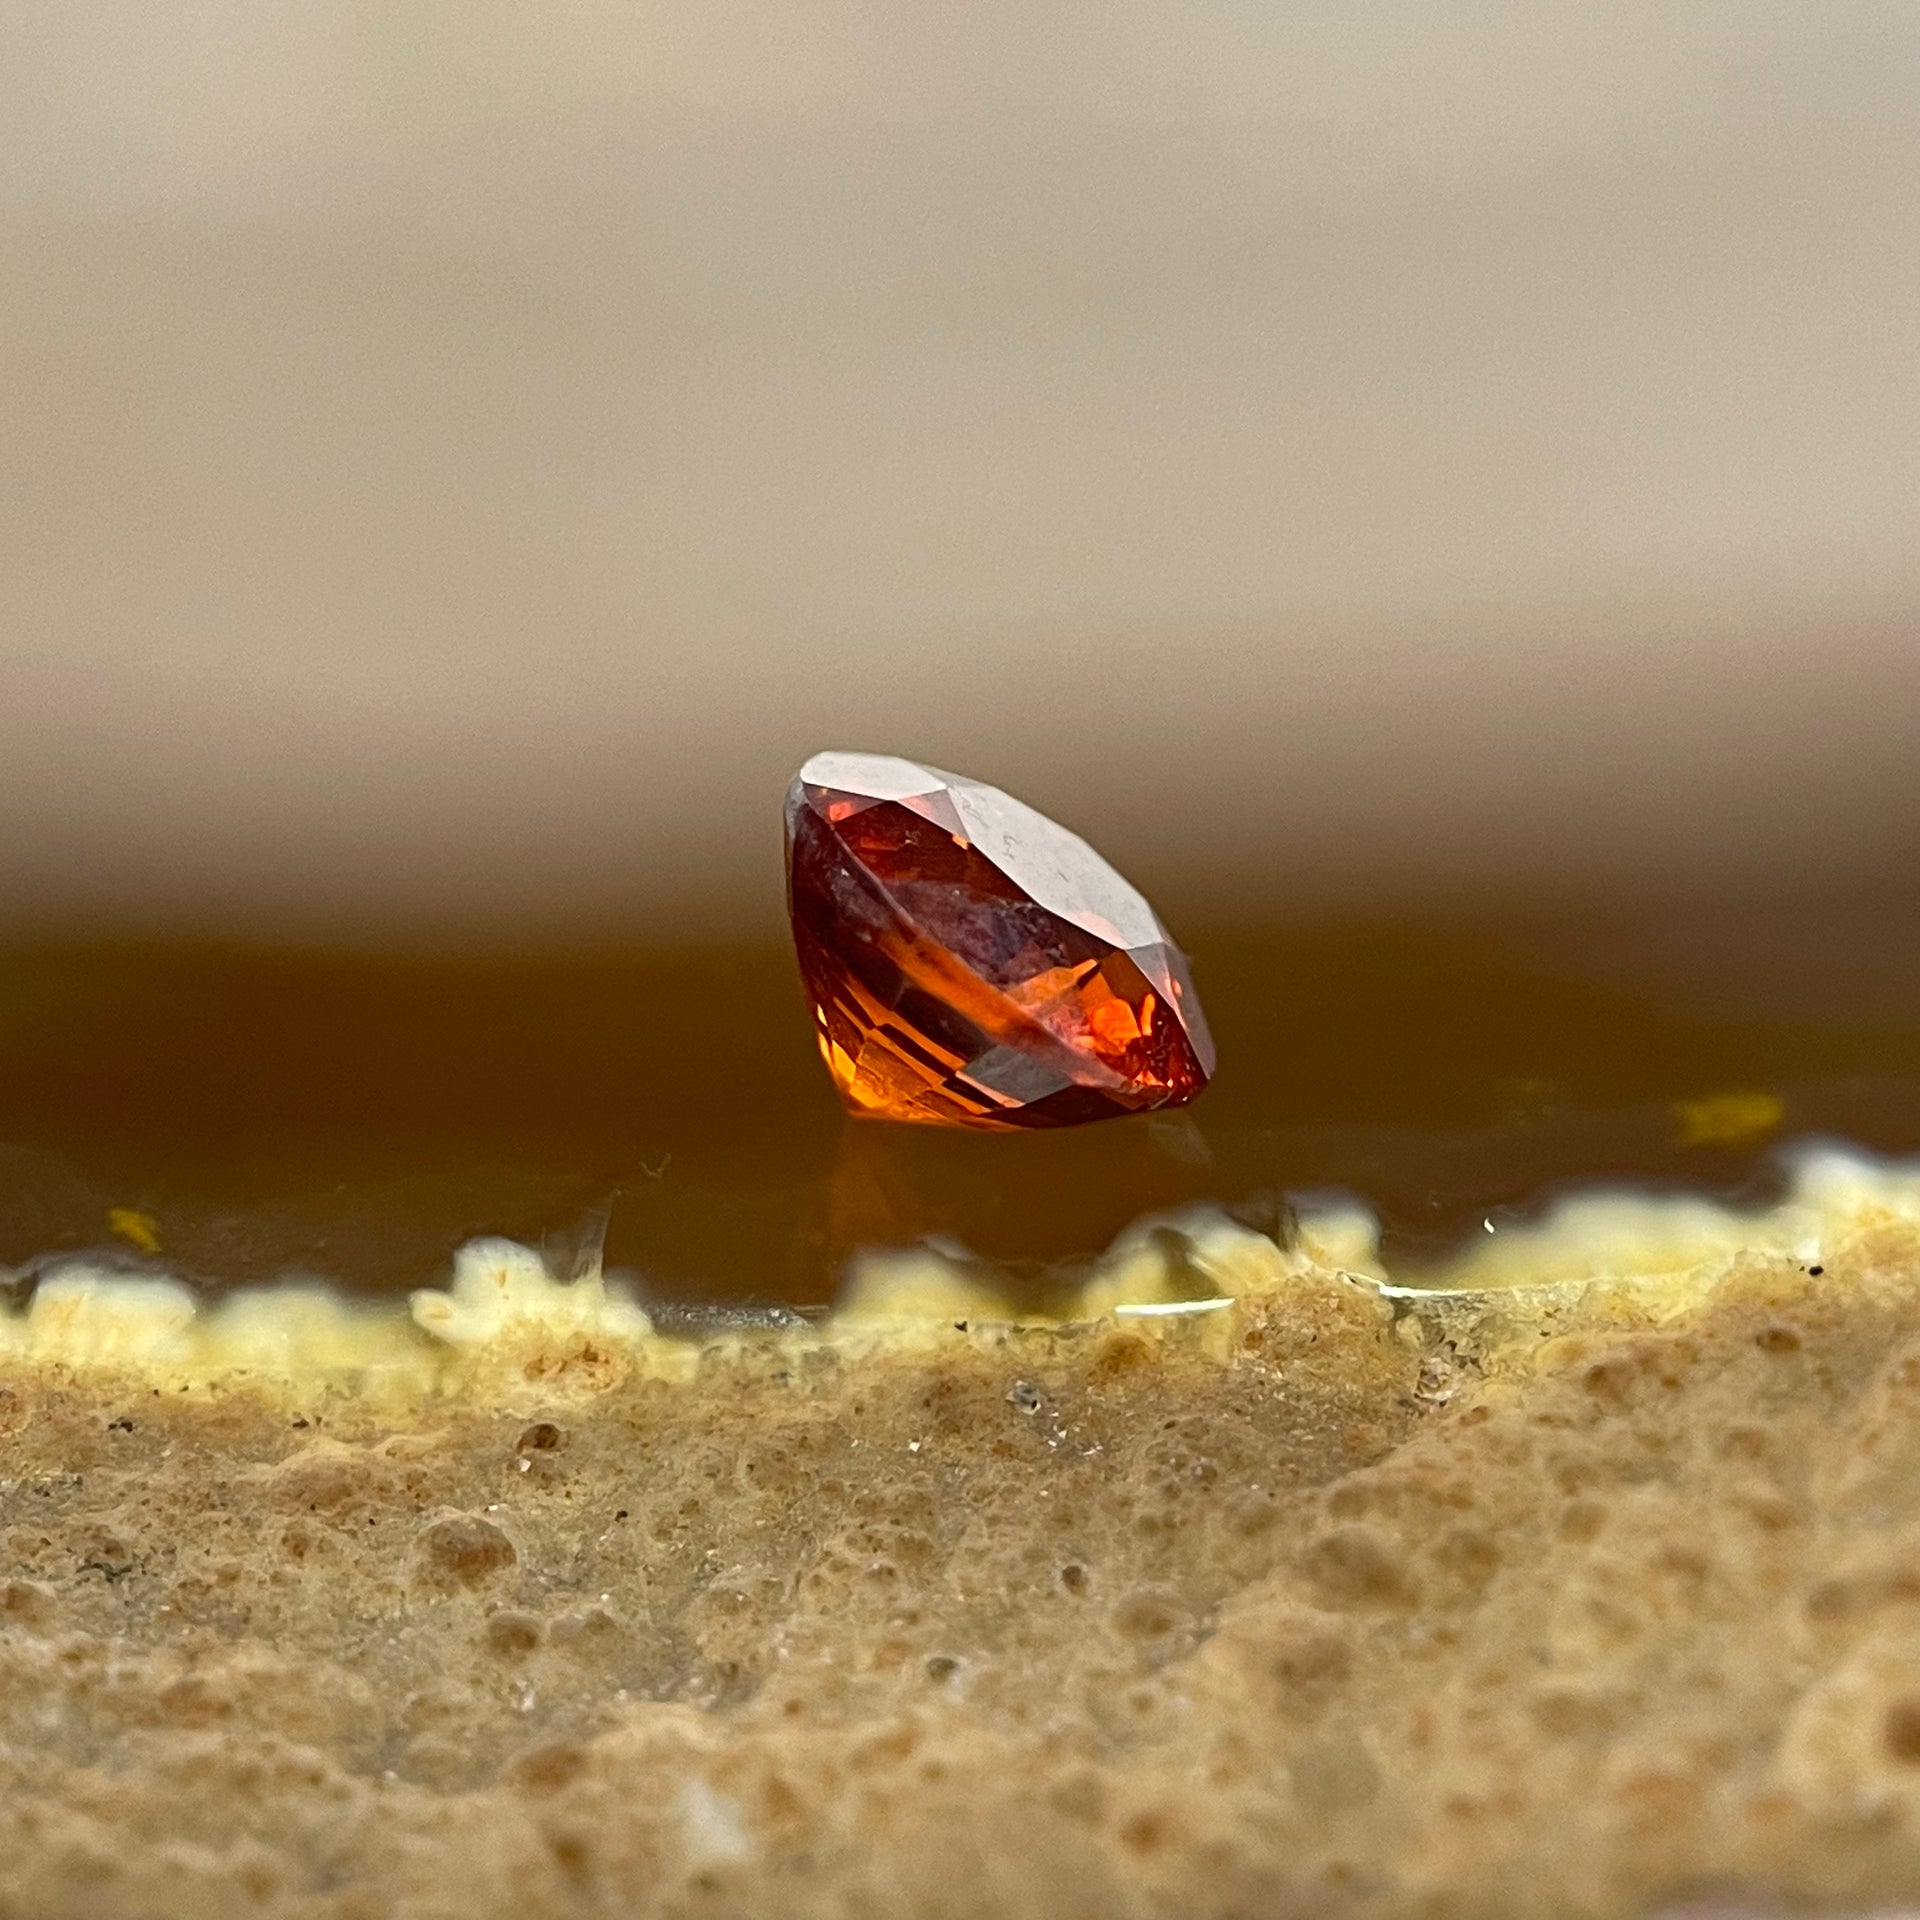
x: 457, y: 459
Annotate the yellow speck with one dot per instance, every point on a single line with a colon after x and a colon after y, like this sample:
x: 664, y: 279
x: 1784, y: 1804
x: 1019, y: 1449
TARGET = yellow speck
x: 1727, y: 1119
x: 141, y: 1228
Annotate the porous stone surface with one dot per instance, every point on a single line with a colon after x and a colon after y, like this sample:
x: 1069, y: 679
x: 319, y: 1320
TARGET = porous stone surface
x: 1322, y: 1604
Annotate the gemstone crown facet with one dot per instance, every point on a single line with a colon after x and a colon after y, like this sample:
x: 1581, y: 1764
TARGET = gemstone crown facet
x: 973, y: 964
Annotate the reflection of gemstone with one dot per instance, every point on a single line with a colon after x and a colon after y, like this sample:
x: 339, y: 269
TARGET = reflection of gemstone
x: 971, y: 964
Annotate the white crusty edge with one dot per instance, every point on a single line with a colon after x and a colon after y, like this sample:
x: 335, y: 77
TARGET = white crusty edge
x: 504, y: 1309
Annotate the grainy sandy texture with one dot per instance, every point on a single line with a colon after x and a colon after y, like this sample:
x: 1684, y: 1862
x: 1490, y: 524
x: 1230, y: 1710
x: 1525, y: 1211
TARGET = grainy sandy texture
x: 1321, y: 1603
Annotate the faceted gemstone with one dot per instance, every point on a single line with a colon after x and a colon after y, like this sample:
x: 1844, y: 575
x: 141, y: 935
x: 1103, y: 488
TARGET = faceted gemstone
x: 972, y: 964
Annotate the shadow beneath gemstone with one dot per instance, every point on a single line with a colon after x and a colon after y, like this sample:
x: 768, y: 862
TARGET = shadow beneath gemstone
x: 1033, y: 1206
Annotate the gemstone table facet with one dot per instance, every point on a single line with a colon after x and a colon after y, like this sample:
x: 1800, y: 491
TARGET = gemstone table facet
x: 973, y: 964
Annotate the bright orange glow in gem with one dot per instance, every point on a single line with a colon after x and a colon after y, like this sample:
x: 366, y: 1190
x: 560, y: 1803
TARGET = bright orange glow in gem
x: 972, y: 964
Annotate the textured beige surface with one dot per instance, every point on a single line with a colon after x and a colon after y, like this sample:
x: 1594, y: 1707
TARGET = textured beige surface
x: 1321, y: 1602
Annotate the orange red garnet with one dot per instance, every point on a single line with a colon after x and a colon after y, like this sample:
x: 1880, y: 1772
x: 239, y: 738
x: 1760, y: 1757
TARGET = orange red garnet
x: 972, y: 964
